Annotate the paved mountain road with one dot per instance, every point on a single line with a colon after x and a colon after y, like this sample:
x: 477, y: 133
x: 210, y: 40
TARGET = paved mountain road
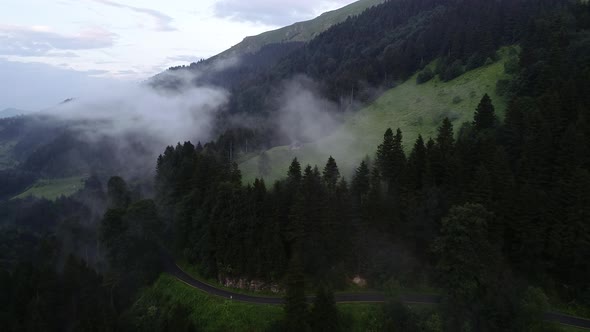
x: 184, y: 277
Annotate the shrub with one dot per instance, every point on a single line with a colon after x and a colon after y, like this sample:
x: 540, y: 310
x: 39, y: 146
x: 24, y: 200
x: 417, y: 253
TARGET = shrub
x: 503, y: 87
x: 424, y: 76
x: 475, y: 61
x: 512, y: 67
x: 453, y: 71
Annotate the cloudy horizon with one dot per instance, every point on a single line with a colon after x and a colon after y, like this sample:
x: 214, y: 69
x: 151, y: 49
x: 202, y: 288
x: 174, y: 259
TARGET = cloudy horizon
x: 80, y: 44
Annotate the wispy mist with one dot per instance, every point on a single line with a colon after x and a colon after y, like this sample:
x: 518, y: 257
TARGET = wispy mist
x: 304, y: 115
x: 162, y: 117
x: 138, y: 120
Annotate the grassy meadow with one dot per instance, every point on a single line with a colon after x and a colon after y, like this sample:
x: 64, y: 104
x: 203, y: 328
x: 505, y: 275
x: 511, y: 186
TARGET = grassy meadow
x: 414, y: 108
x: 52, y: 189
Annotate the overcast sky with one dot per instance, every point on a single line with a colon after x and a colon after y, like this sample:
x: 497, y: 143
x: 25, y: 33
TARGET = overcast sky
x: 71, y: 43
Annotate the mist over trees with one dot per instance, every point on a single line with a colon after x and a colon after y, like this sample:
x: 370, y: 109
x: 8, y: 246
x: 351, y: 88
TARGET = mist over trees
x: 494, y: 213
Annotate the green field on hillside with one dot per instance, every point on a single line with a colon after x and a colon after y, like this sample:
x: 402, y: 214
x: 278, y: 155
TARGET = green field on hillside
x: 53, y: 188
x: 416, y: 109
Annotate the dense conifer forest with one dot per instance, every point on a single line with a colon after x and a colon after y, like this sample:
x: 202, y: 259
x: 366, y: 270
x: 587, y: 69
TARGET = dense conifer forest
x: 494, y: 213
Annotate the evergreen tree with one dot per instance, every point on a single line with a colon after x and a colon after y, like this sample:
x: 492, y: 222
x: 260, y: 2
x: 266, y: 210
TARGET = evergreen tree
x: 417, y: 164
x: 445, y: 139
x: 485, y: 116
x: 324, y: 314
x: 118, y: 195
x: 441, y: 155
x: 295, y: 301
x: 467, y: 261
x: 384, y: 154
x: 361, y: 183
x: 235, y: 175
x: 112, y: 234
x: 294, y: 175
x: 331, y: 174
x: 481, y: 188
x: 391, y: 158
x: 375, y: 199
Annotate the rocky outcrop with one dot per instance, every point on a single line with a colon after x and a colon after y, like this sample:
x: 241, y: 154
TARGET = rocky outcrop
x: 251, y: 285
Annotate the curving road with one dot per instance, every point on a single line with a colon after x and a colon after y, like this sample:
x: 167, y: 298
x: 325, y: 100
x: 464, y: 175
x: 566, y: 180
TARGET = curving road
x: 184, y: 277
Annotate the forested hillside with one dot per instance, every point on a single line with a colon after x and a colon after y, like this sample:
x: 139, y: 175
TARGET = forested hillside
x: 487, y: 204
x: 378, y: 49
x: 508, y: 193
x: 299, y: 32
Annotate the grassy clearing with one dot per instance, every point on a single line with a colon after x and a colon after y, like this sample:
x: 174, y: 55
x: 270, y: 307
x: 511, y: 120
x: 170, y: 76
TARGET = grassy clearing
x: 54, y: 188
x: 416, y: 109
x: 361, y: 317
x: 210, y: 313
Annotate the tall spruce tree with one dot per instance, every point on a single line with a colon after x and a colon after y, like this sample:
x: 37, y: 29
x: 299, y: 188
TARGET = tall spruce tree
x: 466, y: 261
x: 118, y: 195
x: 331, y: 174
x: 391, y: 158
x: 361, y: 183
x: 446, y: 138
x: 485, y: 115
x: 294, y: 175
x: 324, y: 313
x: 442, y: 154
x: 417, y: 164
x: 384, y: 154
x: 295, y: 302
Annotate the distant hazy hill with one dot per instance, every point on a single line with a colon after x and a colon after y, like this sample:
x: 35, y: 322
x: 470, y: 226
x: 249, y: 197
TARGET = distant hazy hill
x: 302, y: 31
x: 10, y: 112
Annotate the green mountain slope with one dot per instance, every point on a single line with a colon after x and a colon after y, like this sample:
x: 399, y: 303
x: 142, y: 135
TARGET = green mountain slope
x: 301, y: 31
x: 416, y: 109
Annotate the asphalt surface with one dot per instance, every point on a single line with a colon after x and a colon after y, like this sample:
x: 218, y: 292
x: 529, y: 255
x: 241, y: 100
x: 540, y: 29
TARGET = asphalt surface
x: 184, y: 277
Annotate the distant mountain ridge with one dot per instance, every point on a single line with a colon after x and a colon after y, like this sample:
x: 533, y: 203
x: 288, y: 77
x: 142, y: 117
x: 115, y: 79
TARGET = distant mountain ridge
x: 301, y: 31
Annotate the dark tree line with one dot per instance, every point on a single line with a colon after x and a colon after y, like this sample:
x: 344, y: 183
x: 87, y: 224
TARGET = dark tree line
x: 66, y: 265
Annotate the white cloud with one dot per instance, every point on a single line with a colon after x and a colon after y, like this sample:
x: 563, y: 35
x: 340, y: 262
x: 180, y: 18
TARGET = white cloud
x: 41, y: 40
x: 35, y: 86
x: 82, y: 37
x: 274, y: 12
x: 163, y: 22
